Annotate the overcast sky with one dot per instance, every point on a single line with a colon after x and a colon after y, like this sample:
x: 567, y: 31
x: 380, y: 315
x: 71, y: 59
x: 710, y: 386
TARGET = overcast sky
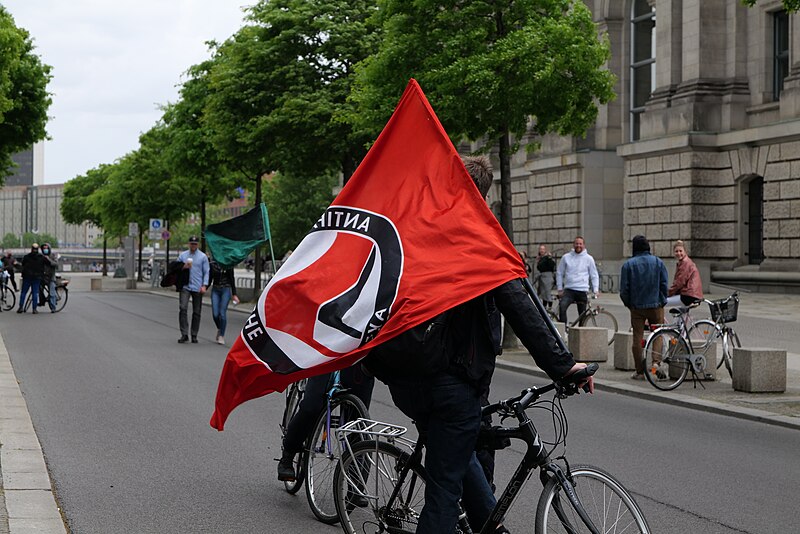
x: 114, y: 62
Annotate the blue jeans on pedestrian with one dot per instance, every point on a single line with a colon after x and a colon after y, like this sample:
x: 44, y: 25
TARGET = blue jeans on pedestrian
x: 446, y: 408
x: 31, y: 284
x: 220, y: 297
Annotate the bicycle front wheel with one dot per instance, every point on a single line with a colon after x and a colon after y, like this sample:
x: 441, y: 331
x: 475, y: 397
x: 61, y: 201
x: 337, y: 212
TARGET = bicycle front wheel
x: 62, y: 294
x: 324, y: 452
x: 609, y: 506
x: 364, y: 482
x: 293, y: 397
x: 602, y: 319
x: 9, y: 298
x: 730, y: 341
x: 666, y: 359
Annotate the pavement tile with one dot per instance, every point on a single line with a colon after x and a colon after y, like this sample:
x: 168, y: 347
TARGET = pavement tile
x: 36, y: 526
x: 31, y: 504
x: 37, y: 480
x: 22, y: 460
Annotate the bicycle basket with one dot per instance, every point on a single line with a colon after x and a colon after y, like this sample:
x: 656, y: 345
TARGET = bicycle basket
x: 726, y: 310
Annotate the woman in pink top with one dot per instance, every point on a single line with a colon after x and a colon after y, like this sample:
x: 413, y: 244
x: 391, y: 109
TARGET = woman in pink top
x: 687, y: 288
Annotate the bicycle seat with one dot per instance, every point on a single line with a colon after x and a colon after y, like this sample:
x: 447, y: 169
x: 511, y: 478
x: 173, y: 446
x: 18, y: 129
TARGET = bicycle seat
x: 680, y: 310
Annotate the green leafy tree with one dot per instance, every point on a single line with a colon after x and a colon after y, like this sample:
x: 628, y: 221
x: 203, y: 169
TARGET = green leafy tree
x: 197, y: 172
x: 24, y: 99
x: 77, y: 207
x: 790, y: 5
x: 10, y: 240
x: 295, y: 205
x: 492, y: 69
x: 29, y: 238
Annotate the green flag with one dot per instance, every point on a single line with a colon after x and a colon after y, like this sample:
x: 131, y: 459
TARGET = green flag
x: 233, y: 240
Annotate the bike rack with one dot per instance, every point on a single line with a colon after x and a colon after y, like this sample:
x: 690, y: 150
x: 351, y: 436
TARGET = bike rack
x: 377, y: 430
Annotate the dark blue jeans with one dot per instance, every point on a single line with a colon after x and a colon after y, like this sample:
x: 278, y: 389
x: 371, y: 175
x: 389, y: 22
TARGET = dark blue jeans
x: 570, y: 296
x: 30, y: 284
x: 447, y: 410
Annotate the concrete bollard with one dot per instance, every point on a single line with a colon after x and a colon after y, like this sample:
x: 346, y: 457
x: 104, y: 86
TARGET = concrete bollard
x: 623, y: 356
x: 130, y: 284
x: 562, y: 329
x: 96, y: 284
x: 759, y: 370
x: 588, y: 343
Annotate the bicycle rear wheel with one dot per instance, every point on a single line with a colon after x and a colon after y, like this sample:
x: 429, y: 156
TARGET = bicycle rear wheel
x: 62, y: 294
x: 666, y: 359
x: 324, y: 452
x: 9, y: 298
x: 364, y: 481
x: 293, y: 397
x: 607, y: 503
x: 602, y: 319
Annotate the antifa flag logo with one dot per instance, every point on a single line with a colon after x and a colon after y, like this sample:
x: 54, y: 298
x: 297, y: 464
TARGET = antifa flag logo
x: 310, y: 312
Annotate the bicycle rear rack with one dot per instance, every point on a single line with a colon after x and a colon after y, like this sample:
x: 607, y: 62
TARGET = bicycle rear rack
x: 362, y: 429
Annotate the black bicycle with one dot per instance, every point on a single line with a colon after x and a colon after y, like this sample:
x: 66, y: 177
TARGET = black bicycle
x: 380, y: 482
x: 62, y: 294
x: 8, y: 298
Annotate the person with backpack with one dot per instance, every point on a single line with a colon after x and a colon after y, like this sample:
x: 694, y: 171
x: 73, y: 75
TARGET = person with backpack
x: 437, y: 373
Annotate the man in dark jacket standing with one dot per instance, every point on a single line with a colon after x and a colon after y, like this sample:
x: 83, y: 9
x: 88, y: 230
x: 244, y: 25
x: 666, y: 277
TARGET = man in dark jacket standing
x: 643, y: 290
x: 33, y: 266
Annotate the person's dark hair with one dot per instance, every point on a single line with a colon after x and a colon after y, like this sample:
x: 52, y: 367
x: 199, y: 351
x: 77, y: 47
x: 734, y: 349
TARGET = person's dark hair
x: 640, y: 244
x: 480, y: 170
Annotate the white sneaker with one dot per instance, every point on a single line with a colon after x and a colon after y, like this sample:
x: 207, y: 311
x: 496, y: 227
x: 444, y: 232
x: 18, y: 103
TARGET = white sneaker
x: 220, y: 340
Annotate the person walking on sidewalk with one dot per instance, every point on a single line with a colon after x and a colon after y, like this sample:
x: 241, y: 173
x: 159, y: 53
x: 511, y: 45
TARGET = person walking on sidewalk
x: 33, y: 266
x: 576, y: 276
x: 223, y: 290
x: 643, y: 290
x: 196, y: 262
x: 546, y: 277
x: 687, y: 287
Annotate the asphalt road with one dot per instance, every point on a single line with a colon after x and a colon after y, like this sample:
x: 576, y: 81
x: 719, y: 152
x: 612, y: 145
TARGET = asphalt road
x: 122, y: 413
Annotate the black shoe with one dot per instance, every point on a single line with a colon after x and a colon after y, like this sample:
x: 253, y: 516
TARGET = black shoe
x: 34, y: 311
x: 286, y: 469
x: 52, y: 311
x: 194, y: 339
x: 183, y: 339
x: 20, y: 310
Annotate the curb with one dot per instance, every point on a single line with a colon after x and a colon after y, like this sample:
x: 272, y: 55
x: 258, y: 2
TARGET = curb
x: 27, y: 489
x: 675, y: 399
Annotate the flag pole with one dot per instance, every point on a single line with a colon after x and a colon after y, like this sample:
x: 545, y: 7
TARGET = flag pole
x: 544, y: 314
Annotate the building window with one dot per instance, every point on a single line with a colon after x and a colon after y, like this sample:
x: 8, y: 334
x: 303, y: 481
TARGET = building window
x: 780, y: 52
x: 643, y: 60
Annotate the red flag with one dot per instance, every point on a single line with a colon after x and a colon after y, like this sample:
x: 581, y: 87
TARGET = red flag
x: 407, y: 238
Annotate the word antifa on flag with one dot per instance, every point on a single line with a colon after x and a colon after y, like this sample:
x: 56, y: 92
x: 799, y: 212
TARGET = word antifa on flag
x: 407, y: 238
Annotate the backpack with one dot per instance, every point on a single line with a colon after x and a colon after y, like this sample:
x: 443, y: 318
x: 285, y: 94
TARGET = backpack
x: 419, y: 352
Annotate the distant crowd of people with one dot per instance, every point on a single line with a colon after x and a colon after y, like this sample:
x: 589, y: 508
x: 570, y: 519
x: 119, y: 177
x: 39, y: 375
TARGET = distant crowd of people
x: 38, y: 269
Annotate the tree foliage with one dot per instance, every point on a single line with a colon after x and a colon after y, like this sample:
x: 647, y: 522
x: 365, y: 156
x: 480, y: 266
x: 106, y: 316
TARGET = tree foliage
x: 491, y: 68
x: 24, y: 99
x: 281, y: 82
x: 295, y: 205
x: 76, y: 205
x: 790, y: 5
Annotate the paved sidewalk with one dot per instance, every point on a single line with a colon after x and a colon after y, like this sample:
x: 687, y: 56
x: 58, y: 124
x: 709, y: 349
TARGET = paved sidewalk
x: 27, y: 503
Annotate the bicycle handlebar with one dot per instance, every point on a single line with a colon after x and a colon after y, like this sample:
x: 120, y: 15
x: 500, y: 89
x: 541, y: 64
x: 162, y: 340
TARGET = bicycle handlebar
x: 566, y: 386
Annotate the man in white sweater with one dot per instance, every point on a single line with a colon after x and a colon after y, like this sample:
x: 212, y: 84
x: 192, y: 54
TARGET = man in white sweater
x: 575, y: 277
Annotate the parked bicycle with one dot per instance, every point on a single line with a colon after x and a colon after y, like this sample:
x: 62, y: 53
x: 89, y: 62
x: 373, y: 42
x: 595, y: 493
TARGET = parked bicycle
x: 380, y: 482
x: 674, y: 349
x: 723, y: 311
x: 62, y: 294
x: 592, y: 316
x: 8, y: 298
x: 317, y: 462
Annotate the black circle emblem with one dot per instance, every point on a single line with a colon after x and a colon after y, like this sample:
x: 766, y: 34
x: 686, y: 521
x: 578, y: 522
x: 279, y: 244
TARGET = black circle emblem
x: 333, y: 294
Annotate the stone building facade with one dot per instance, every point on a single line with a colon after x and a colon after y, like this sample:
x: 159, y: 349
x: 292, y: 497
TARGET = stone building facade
x: 701, y: 144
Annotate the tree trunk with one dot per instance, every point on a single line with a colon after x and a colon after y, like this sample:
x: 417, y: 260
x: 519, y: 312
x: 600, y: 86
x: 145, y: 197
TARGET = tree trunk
x: 105, y: 254
x: 506, y: 220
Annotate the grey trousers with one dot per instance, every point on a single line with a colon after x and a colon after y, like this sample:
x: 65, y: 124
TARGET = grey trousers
x: 197, y: 306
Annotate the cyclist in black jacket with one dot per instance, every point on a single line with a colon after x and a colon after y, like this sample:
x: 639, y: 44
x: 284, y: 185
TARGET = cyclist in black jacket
x: 446, y: 405
x: 33, y: 266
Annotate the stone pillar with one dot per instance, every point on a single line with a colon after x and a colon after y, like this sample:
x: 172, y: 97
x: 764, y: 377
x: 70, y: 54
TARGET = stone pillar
x: 759, y: 370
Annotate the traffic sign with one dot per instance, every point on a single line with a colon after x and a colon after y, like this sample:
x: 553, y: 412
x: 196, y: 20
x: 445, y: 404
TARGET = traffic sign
x: 165, y: 235
x: 133, y: 229
x: 156, y: 226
